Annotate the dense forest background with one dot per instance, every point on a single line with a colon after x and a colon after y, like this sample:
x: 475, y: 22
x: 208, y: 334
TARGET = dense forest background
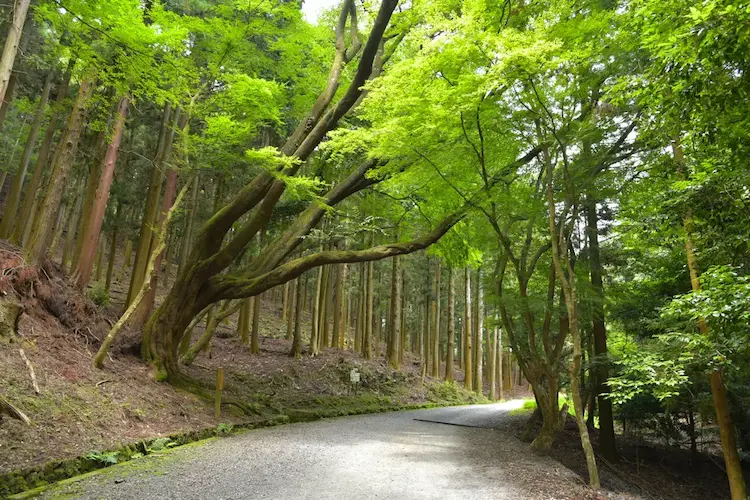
x: 556, y: 187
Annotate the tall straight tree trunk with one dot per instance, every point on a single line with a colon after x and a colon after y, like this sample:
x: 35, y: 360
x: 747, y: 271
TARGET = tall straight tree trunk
x: 92, y: 183
x: 435, y: 347
x: 449, y: 350
x: 599, y: 388
x: 479, y: 379
x: 290, y: 309
x: 501, y: 367
x: 299, y: 305
x: 70, y: 233
x: 343, y: 310
x: 113, y: 248
x: 64, y: 156
x: 367, y: 340
x: 314, y: 334
x: 324, y: 309
x: 468, y: 368
x: 12, y: 40
x: 255, y: 333
x: 338, y: 305
x: 142, y: 252
x: 96, y: 216
x: 732, y: 460
x: 11, y: 206
x: 28, y: 208
x: 285, y: 302
x: 394, y: 339
x: 402, y: 318
x: 99, y: 260
x: 492, y: 363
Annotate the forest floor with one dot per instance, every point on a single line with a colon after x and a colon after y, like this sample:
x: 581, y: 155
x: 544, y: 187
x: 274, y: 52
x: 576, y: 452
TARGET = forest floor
x: 644, y: 470
x: 79, y: 410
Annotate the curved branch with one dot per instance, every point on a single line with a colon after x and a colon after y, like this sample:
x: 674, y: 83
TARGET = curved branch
x: 231, y: 287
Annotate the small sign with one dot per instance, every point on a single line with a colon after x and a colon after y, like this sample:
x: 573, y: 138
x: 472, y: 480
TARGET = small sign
x: 354, y: 376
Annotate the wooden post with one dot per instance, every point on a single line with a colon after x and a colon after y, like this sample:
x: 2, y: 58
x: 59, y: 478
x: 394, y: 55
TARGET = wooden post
x: 219, y: 387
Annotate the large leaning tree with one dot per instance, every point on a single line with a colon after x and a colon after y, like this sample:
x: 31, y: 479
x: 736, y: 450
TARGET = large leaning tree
x: 223, y: 239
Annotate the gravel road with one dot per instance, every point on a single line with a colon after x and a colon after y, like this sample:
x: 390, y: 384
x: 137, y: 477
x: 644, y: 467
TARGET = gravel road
x: 445, y: 454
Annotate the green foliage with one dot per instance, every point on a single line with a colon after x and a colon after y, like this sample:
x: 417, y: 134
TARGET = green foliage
x: 99, y: 294
x: 103, y: 458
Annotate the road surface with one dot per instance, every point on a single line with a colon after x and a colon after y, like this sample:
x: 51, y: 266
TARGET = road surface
x: 445, y: 454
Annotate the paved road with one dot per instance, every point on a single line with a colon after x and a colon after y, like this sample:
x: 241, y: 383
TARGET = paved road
x: 404, y: 455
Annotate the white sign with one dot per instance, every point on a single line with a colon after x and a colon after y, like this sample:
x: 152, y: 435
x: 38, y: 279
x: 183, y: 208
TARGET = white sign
x: 354, y: 376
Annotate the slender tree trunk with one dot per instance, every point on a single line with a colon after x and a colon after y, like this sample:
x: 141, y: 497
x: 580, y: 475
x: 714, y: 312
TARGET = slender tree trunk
x: 21, y: 7
x: 338, y: 304
x: 290, y: 309
x: 561, y: 257
x: 501, y: 366
x: 70, y: 233
x: 27, y: 210
x: 402, y: 318
x: 113, y: 248
x: 732, y: 460
x: 96, y: 216
x: 435, y: 347
x: 64, y: 156
x: 449, y: 350
x: 479, y: 378
x: 343, y: 313
x: 468, y: 368
x: 300, y: 304
x: 394, y: 339
x: 367, y: 340
x: 491, y: 363
x: 285, y: 303
x: 255, y: 334
x: 94, y: 174
x: 314, y: 334
x: 11, y: 206
x: 607, y: 445
x: 142, y: 252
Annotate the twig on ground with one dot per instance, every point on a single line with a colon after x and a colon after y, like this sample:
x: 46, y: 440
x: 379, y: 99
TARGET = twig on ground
x: 31, y: 370
x: 102, y: 382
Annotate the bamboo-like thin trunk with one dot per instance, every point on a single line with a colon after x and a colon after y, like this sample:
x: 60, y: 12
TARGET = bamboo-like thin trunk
x: 113, y: 248
x: 299, y: 305
x: 479, y: 378
x: 291, y: 292
x: 435, y: 346
x: 450, y: 374
x: 491, y: 363
x: 468, y: 368
x: 367, y: 340
x: 255, y: 333
x: 394, y: 339
x: 314, y: 334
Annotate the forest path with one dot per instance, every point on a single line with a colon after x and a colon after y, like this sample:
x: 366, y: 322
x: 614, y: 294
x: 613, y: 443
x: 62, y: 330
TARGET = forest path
x: 400, y: 455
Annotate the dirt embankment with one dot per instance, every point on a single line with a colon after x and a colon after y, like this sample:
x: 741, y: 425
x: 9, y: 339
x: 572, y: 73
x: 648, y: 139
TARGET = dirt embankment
x: 79, y: 410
